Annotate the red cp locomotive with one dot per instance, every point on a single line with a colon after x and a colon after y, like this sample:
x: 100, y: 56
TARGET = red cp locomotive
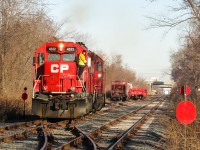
x: 58, y: 92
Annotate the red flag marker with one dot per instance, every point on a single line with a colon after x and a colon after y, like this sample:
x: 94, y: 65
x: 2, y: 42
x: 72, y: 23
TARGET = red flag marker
x: 185, y: 90
x: 24, y: 96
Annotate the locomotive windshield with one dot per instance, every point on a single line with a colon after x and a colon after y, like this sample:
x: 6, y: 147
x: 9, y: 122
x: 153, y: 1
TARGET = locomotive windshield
x: 68, y: 57
x: 40, y: 58
x: 53, y: 57
x: 65, y: 57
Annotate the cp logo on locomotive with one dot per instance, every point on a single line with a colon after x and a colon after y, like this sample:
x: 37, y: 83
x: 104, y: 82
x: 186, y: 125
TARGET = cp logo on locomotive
x: 55, y: 68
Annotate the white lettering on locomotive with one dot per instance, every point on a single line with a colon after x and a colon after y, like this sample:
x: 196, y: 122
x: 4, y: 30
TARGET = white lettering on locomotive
x: 55, y: 68
x: 63, y: 67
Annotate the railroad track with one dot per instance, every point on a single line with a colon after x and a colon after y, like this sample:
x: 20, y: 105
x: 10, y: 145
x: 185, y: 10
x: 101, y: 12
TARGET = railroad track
x: 14, y: 131
x: 133, y: 126
x: 32, y: 134
x: 28, y: 135
x: 151, y: 135
x: 84, y: 132
x: 90, y: 138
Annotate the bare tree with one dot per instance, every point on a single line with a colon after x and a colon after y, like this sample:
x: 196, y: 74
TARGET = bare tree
x: 185, y: 61
x: 117, y: 70
x: 24, y: 26
x: 185, y: 64
x: 185, y: 12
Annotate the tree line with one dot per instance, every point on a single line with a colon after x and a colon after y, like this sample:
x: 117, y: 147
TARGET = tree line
x: 185, y: 64
x: 185, y: 15
x: 24, y: 26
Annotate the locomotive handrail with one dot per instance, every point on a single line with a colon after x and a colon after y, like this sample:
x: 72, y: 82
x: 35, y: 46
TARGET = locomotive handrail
x: 37, y: 82
x: 83, y: 87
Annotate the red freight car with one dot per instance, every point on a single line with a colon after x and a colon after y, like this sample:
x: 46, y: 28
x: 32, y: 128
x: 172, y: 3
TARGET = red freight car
x: 137, y: 93
x: 119, y: 90
x: 58, y: 92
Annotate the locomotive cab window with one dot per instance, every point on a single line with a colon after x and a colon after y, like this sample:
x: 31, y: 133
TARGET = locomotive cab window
x: 54, y: 57
x: 68, y: 57
x: 40, y: 58
x: 99, y: 66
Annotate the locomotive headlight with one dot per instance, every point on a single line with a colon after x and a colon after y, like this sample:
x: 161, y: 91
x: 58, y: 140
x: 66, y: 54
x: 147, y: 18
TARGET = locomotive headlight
x: 99, y: 75
x: 44, y: 88
x: 61, y: 47
x: 72, y: 95
x: 72, y: 88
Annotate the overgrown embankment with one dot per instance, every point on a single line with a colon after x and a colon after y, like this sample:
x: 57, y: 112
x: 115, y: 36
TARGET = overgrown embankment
x: 179, y: 136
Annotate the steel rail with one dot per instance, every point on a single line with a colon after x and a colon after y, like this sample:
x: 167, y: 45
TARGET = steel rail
x: 118, y: 119
x: 82, y: 136
x: 23, y: 124
x: 79, y: 139
x: 94, y: 147
x: 19, y: 135
x: 43, y: 138
x: 118, y: 144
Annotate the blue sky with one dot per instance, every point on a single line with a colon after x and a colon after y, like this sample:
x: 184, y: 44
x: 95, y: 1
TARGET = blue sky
x: 119, y: 27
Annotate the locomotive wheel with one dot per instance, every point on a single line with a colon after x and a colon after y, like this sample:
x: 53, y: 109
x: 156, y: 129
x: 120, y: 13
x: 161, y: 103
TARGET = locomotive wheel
x: 124, y: 98
x: 113, y: 99
x: 97, y: 105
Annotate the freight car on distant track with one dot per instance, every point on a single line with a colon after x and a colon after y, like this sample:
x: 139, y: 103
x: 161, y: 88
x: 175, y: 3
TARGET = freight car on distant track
x: 58, y: 91
x: 137, y: 93
x: 119, y: 90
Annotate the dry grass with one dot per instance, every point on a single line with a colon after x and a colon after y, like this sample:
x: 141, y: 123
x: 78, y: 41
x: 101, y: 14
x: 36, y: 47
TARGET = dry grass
x: 12, y: 109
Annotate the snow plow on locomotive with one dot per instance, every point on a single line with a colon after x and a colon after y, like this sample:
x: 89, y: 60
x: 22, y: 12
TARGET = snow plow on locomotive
x: 58, y: 90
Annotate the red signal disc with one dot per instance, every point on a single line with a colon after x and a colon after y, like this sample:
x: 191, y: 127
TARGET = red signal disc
x: 186, y: 112
x: 24, y: 96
